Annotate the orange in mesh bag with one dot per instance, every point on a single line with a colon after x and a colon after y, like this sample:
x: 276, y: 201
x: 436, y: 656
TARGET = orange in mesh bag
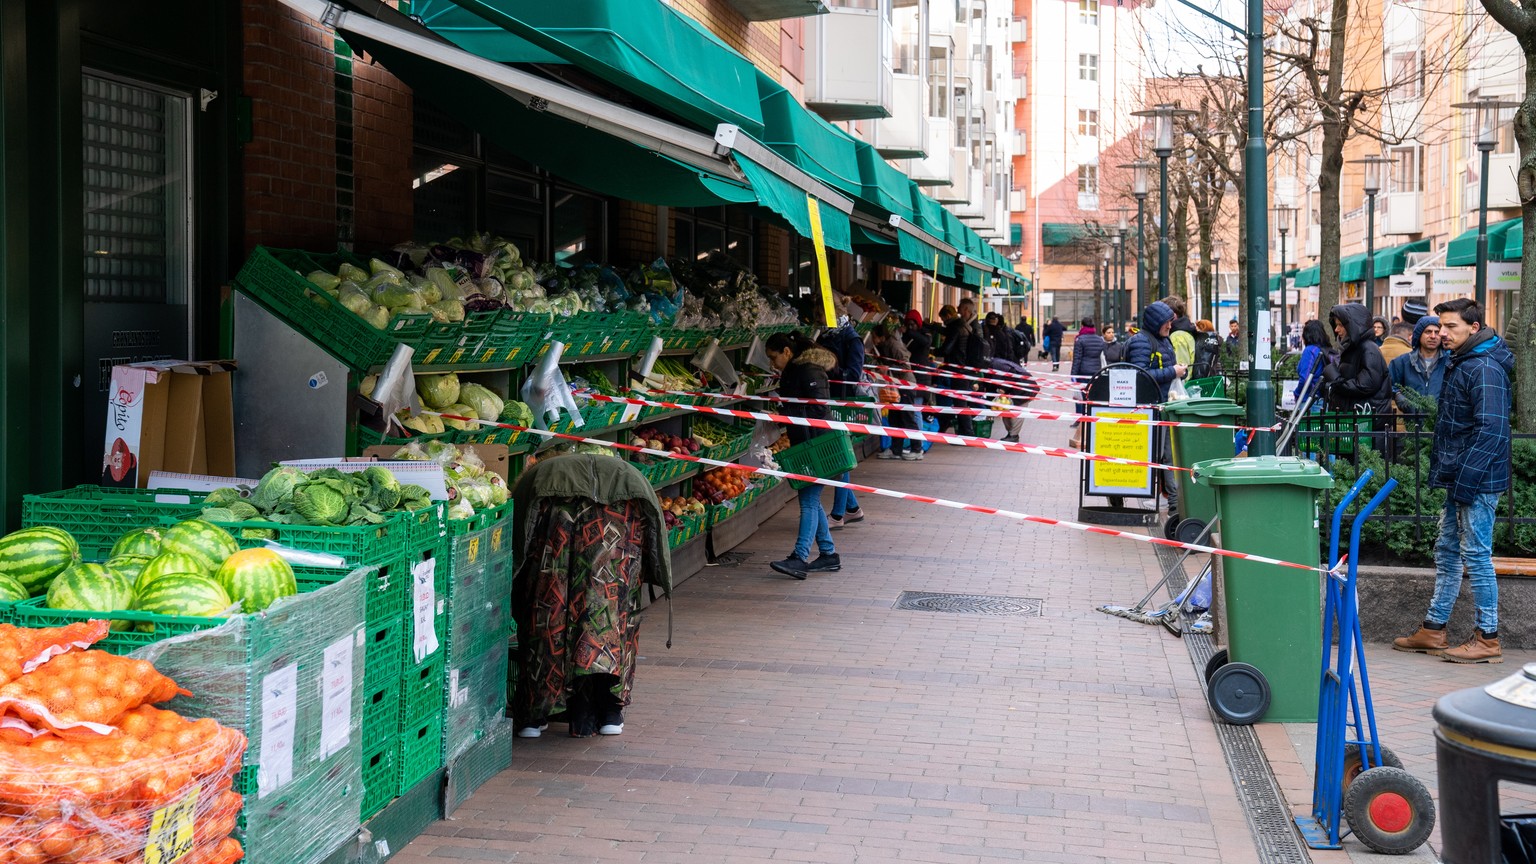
x: 23, y: 649
x: 81, y: 693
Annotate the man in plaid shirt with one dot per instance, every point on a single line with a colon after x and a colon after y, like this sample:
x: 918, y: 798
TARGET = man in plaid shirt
x: 1471, y: 461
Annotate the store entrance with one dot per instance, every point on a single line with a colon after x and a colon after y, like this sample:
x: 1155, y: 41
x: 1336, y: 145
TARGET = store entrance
x: 138, y: 238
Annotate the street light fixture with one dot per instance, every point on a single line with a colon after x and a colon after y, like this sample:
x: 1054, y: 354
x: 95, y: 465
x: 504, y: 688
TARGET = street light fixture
x: 1488, y: 113
x: 1139, y: 170
x: 1162, y: 144
x: 1284, y: 213
x: 1104, y: 286
x: 1376, y: 167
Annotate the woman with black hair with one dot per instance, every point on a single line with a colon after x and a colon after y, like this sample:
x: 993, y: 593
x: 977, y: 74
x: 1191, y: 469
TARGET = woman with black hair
x: 1314, y: 356
x: 803, y: 367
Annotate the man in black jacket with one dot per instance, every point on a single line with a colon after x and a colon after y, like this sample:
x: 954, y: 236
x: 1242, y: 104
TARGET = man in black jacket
x: 1054, y: 331
x: 1359, y: 381
x: 962, y: 346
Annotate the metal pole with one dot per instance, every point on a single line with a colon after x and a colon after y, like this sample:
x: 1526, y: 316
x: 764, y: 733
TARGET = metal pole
x: 1482, y: 230
x: 1261, y: 392
x: 1162, y: 227
x: 1370, y: 254
x: 1141, y: 257
x: 1120, y: 292
x: 1285, y: 331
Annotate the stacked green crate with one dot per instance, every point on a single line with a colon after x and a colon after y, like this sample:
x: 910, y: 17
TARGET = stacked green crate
x: 479, y: 625
x: 291, y: 679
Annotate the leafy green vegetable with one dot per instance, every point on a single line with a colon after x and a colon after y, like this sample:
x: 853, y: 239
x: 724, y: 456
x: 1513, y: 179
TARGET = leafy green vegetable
x: 321, y: 502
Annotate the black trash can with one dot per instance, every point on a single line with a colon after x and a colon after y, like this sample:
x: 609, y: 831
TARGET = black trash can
x: 1486, y: 735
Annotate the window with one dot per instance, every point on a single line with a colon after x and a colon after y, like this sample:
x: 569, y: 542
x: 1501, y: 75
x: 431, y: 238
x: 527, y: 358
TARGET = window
x: 1088, y: 123
x: 1407, y: 172
x: 1088, y: 12
x: 1407, y: 71
x: 962, y: 113
x: 729, y: 230
x: 939, y: 82
x: 1088, y: 179
x: 1087, y: 67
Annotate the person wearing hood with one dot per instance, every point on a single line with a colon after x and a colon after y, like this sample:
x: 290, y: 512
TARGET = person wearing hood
x: 1379, y: 330
x: 1087, y: 361
x: 1398, y: 342
x: 1150, y: 349
x: 962, y: 347
x: 1358, y: 382
x: 1182, y: 335
x: 1421, y: 370
x: 919, y: 344
x: 1471, y: 460
x: 803, y: 366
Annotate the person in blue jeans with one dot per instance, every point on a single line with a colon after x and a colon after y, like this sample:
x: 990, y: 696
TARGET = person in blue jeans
x: 1470, y: 459
x: 803, y: 367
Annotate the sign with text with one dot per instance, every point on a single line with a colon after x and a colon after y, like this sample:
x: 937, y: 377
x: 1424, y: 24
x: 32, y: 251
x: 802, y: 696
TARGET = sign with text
x: 1453, y: 280
x: 1503, y: 275
x: 1408, y: 285
x: 1124, y: 441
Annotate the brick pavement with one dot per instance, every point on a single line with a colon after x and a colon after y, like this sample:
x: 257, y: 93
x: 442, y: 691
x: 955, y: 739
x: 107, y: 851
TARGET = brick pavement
x: 810, y: 721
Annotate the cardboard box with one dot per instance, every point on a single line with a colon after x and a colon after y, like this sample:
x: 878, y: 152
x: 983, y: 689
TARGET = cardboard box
x: 173, y: 415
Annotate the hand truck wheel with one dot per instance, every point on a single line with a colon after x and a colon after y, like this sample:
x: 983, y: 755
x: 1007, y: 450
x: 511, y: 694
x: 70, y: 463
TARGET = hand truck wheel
x: 1239, y: 694
x: 1218, y: 660
x: 1389, y: 810
x: 1171, y: 527
x: 1188, y: 530
x: 1354, y: 765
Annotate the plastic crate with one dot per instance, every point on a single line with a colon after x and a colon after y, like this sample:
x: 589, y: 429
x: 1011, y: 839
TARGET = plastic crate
x: 596, y: 417
x: 688, y: 527
x: 421, y: 752
x: 826, y: 456
x: 477, y: 698
x: 367, y: 437
x: 383, y: 651
x: 97, y: 517
x: 489, y: 755
x: 422, y: 689
x: 381, y: 775
x: 1208, y: 387
x: 364, y: 544
x: 427, y: 529
x: 732, y: 447
x: 478, y: 620
x: 381, y: 711
x: 515, y: 441
x: 664, y: 472
x: 1333, y: 434
x: 275, y: 279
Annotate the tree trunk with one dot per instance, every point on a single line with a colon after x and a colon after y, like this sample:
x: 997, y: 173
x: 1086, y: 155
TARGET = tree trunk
x: 1335, y: 133
x: 1520, y: 330
x: 1178, y: 252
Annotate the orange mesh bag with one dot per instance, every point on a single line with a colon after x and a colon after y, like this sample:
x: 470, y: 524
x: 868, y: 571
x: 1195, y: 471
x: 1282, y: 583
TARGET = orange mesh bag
x: 82, y: 693
x: 23, y: 649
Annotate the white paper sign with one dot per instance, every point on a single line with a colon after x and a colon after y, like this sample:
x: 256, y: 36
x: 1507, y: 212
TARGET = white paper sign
x: 336, y: 697
x: 279, y: 717
x: 1122, y: 386
x: 423, y: 609
x: 1454, y: 280
x: 1263, y: 356
x: 193, y: 483
x: 1504, y: 276
x: 1408, y: 285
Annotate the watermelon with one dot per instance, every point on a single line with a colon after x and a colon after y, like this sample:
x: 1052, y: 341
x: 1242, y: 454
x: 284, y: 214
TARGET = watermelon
x: 143, y: 543
x: 129, y: 566
x: 184, y: 595
x: 33, y: 556
x: 166, y: 564
x: 205, y: 541
x: 12, y: 591
x: 257, y: 578
x: 91, y: 588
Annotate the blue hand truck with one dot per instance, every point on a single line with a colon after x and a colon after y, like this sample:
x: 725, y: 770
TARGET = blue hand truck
x: 1356, y: 777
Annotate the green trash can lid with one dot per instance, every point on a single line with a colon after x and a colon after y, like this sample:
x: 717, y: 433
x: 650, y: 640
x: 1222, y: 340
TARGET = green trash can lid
x: 1263, y: 471
x: 1203, y: 406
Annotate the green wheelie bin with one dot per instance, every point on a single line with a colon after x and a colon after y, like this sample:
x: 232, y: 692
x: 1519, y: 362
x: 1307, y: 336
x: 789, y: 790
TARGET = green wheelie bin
x: 1268, y: 506
x: 1197, y: 504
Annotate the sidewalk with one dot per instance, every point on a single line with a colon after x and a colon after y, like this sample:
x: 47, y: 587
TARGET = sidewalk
x: 811, y: 721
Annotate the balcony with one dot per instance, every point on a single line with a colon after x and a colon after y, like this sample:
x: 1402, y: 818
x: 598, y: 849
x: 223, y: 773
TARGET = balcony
x: 1404, y: 213
x: 1087, y: 200
x: 1018, y: 201
x: 1502, y: 191
x: 773, y: 10
x: 938, y: 167
x: 958, y: 192
x: 1018, y: 31
x: 977, y: 196
x: 1020, y: 143
x: 904, y: 135
x: 1497, y: 68
x: 848, y: 73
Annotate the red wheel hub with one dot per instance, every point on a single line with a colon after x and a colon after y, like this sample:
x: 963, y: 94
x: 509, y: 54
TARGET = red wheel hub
x: 1391, y: 812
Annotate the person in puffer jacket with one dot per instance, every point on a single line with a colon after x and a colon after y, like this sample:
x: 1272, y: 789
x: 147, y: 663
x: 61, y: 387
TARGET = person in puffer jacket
x: 1150, y: 349
x: 1359, y: 381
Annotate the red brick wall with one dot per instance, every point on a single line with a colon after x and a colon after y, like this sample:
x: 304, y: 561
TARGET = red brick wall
x: 290, y: 163
x: 381, y: 121
x: 636, y: 240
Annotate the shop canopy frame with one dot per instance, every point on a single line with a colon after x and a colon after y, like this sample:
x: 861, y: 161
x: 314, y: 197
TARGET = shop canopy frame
x: 1505, y: 243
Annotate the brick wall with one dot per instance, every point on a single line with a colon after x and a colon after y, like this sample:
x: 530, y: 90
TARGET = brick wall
x: 758, y: 41
x: 635, y: 241
x: 382, y: 156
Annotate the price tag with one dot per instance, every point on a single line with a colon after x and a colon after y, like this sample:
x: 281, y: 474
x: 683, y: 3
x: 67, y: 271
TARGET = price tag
x: 488, y: 356
x: 474, y: 549
x: 496, y: 539
x: 336, y: 697
x: 279, y: 707
x: 423, y: 610
x: 431, y: 357
x: 586, y: 349
x: 456, y: 356
x: 172, y: 830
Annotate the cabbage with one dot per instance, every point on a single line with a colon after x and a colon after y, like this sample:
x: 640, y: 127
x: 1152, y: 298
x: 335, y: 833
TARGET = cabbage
x: 383, y: 489
x: 486, y: 403
x: 366, y: 388
x: 459, y: 409
x: 393, y: 296
x: 461, y: 511
x: 522, y: 280
x: 321, y: 502
x: 222, y: 497
x: 438, y: 391
x: 355, y: 298
x: 499, y: 491
x: 352, y: 273
x: 430, y: 293
x: 378, y: 267
x: 378, y: 316
x: 243, y: 510
x: 424, y: 423
x: 276, y: 487
x: 447, y: 311
x: 516, y: 413
x: 413, y: 497
x: 324, y: 280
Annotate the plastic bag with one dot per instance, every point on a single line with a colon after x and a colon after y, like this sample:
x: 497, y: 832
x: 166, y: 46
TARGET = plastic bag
x: 713, y: 360
x: 1176, y: 391
x: 80, y: 693
x: 546, y: 393
x: 757, y: 355
x: 23, y: 649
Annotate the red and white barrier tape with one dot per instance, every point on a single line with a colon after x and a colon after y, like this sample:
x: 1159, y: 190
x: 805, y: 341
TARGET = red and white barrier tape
x: 876, y: 429
x: 889, y: 493
x: 1014, y: 382
x: 978, y: 397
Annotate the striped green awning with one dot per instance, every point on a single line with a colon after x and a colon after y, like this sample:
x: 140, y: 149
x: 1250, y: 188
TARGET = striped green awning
x: 1462, y: 251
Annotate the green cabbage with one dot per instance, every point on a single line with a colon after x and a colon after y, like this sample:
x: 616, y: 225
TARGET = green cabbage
x: 413, y: 497
x: 219, y: 514
x: 352, y: 273
x: 516, y: 413
x: 438, y: 391
x: 244, y: 510
x: 393, y: 296
x: 222, y: 497
x: 324, y: 280
x: 378, y: 316
x: 439, y: 277
x: 424, y: 424
x: 321, y: 502
x: 459, y: 409
x: 355, y: 298
x: 378, y: 267
x: 460, y: 511
x: 383, y: 488
x: 430, y: 293
x: 485, y: 402
x: 276, y: 488
x: 447, y: 311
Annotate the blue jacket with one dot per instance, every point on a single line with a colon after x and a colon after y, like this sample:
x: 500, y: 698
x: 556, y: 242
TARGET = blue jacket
x: 1152, y: 352
x: 1309, y: 368
x: 1408, y: 373
x: 1471, y: 454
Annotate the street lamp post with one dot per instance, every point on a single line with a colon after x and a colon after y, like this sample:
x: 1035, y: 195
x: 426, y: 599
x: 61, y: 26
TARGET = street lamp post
x: 1121, y: 241
x: 1104, y: 294
x: 1283, y: 215
x: 1375, y: 166
x: 1487, y: 116
x: 1139, y: 171
x: 1162, y: 144
x: 1218, y: 249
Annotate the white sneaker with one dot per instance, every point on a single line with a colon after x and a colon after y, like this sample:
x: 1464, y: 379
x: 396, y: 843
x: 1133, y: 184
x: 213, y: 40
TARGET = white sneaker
x: 886, y: 454
x: 532, y: 731
x: 611, y: 729
x: 910, y: 456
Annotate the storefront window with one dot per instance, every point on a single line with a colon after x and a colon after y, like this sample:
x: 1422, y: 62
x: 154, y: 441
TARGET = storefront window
x: 730, y: 230
x: 444, y: 197
x: 514, y: 209
x: 578, y: 228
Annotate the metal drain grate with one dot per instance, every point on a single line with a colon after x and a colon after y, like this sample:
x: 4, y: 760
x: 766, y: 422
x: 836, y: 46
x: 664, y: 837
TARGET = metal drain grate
x: 1269, y: 820
x: 969, y: 604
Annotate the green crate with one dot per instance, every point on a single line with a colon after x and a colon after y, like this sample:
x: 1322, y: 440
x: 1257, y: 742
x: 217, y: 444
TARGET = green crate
x: 427, y: 531
x: 274, y: 278
x: 516, y: 442
x: 1339, y: 433
x: 826, y: 456
x: 421, y: 751
x: 730, y: 449
x: 664, y: 472
x: 482, y: 520
x: 381, y: 775
x: 367, y: 437
x: 688, y: 527
x: 477, y: 698
x: 478, y: 621
x: 381, y: 711
x: 96, y: 517
x: 383, y: 651
x: 489, y: 755
x: 384, y: 590
x: 422, y: 688
x: 358, y: 545
x: 1208, y: 387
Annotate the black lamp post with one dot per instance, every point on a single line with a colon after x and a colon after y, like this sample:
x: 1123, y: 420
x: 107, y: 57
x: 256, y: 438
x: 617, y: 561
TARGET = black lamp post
x: 1162, y: 144
x: 1488, y: 117
x: 1139, y: 170
x: 1121, y: 239
x: 1284, y: 213
x: 1375, y: 167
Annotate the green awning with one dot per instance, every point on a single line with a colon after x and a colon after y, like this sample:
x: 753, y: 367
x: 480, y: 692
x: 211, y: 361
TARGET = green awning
x: 576, y: 153
x: 877, y: 246
x: 1309, y: 277
x: 1462, y: 251
x: 929, y: 216
x: 884, y: 188
x: 642, y: 46
x: 793, y: 205
x: 806, y: 141
x: 920, y: 255
x: 1352, y: 268
x: 1061, y: 233
x: 1275, y: 281
x: 1016, y: 234
x: 1391, y: 262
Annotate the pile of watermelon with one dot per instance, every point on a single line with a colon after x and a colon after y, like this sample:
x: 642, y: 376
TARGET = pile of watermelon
x: 193, y: 568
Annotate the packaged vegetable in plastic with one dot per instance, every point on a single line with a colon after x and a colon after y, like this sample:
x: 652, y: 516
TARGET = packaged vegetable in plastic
x: 377, y: 316
x: 486, y: 403
x: 354, y: 297
x: 352, y: 273
x: 325, y: 281
x: 447, y: 311
x: 459, y: 409
x: 394, y: 295
x: 80, y: 693
x: 438, y: 391
x: 23, y: 649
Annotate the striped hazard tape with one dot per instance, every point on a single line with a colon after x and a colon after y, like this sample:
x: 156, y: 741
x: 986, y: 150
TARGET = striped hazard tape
x: 876, y: 429
x: 980, y: 398
x: 890, y: 493
x: 995, y: 377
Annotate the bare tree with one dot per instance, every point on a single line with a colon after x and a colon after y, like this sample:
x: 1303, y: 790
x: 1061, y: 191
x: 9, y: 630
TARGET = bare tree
x: 1520, y: 20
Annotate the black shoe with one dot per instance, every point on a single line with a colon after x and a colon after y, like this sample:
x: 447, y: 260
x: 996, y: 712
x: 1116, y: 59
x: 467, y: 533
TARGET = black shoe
x: 828, y: 563
x: 792, y: 567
